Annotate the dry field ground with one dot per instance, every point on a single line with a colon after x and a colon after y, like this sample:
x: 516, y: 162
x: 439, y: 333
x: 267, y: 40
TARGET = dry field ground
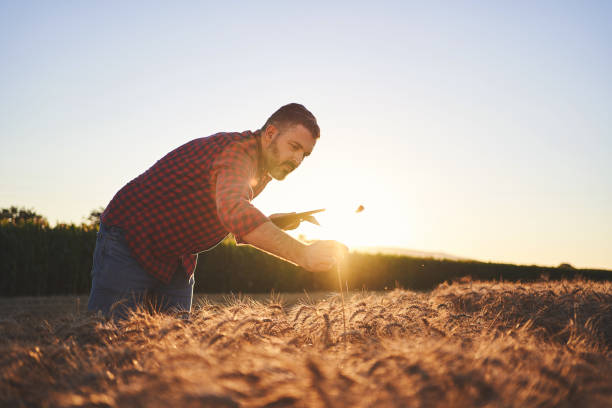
x: 469, y: 344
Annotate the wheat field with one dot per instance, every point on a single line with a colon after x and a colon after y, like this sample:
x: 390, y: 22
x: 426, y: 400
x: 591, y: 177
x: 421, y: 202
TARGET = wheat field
x: 465, y: 344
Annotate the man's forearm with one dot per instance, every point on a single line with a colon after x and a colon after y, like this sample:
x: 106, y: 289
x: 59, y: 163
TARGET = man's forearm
x: 270, y: 238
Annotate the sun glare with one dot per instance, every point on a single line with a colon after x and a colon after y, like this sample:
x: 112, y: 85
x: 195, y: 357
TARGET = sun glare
x: 339, y: 223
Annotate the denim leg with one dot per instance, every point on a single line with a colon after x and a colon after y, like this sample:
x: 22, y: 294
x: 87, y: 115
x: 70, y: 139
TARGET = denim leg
x: 177, y: 294
x: 117, y: 276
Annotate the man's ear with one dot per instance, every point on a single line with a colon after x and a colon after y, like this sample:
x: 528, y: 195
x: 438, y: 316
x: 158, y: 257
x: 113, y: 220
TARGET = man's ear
x: 268, y: 134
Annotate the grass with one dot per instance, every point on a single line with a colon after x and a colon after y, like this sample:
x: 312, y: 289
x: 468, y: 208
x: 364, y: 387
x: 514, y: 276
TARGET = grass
x: 467, y: 344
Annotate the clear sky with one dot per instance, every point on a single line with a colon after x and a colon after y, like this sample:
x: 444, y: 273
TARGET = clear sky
x: 480, y: 129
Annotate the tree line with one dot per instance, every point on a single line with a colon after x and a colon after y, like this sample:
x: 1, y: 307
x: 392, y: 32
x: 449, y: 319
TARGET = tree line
x: 36, y: 259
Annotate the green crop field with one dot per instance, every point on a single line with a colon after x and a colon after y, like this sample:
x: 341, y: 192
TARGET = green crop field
x: 36, y: 260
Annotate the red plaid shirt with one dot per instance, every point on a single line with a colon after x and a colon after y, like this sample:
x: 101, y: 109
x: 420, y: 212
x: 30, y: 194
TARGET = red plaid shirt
x: 190, y: 200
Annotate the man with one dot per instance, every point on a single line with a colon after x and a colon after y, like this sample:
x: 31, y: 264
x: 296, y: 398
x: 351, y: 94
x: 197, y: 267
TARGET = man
x: 187, y: 202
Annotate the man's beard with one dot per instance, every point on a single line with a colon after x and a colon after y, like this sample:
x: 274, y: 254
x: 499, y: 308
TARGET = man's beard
x: 277, y: 169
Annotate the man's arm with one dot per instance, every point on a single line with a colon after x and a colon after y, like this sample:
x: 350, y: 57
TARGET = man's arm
x: 232, y: 177
x: 270, y: 238
x: 320, y: 256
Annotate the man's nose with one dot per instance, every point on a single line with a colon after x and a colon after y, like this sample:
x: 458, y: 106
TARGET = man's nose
x: 297, y: 158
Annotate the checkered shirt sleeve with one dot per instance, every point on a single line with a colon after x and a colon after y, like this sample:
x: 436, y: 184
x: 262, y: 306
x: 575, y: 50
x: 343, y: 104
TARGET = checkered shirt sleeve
x: 234, y: 175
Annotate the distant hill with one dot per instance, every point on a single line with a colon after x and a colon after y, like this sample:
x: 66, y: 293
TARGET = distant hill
x: 408, y: 252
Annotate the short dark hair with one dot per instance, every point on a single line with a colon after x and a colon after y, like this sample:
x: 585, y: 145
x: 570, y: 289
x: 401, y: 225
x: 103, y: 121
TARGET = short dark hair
x: 294, y: 114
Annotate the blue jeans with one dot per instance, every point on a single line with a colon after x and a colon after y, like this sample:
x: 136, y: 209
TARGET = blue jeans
x: 117, y: 277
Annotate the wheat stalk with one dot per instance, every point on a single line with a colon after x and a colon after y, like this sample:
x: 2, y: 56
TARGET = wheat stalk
x: 341, y: 296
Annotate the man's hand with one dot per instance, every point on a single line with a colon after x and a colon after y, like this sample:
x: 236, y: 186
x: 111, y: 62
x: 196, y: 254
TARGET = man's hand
x: 293, y: 224
x: 322, y: 256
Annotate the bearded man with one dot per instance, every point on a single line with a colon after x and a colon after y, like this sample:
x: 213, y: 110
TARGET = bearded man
x: 191, y: 199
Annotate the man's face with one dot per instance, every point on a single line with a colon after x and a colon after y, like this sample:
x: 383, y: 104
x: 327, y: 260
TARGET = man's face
x: 285, y: 148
